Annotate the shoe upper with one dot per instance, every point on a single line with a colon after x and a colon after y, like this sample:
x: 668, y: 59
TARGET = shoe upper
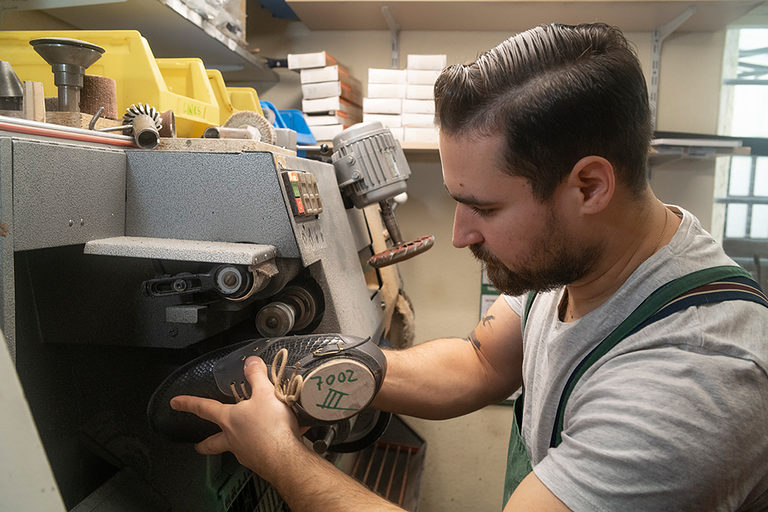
x: 219, y: 375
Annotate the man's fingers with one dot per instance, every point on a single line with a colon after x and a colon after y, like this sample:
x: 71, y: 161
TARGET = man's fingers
x: 256, y: 374
x: 205, y: 408
x: 213, y: 445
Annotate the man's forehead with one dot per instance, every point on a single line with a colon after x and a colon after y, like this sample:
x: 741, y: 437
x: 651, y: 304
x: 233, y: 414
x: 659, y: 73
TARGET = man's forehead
x: 471, y: 137
x: 466, y: 160
x: 469, y: 198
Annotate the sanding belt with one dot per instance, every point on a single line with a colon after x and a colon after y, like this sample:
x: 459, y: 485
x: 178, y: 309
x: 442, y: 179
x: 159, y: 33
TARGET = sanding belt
x: 99, y: 91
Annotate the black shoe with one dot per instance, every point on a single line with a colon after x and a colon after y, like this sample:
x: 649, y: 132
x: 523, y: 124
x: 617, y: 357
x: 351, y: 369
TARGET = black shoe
x: 341, y: 376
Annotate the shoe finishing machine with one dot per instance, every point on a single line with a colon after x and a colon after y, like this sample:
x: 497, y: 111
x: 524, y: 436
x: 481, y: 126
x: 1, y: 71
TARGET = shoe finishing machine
x: 121, y: 265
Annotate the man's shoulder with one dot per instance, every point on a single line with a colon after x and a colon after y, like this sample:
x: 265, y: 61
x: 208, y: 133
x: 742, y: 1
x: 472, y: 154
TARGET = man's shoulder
x: 516, y: 302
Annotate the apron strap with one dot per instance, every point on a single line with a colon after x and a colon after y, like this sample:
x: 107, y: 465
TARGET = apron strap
x: 706, y: 286
x: 519, y: 399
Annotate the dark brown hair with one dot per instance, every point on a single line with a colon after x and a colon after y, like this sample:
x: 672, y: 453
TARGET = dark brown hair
x: 558, y: 93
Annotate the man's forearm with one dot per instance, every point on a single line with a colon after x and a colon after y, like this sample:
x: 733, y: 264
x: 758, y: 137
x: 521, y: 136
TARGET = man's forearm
x: 310, y: 483
x: 440, y: 379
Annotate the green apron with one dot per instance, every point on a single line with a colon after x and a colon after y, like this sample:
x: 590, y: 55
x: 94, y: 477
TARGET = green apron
x: 706, y: 286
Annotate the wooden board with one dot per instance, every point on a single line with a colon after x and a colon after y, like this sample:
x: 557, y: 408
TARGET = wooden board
x: 516, y: 15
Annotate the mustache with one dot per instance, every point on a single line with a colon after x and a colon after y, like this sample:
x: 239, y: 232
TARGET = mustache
x: 483, y: 254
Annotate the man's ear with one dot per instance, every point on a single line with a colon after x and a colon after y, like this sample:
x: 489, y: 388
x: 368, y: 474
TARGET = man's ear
x: 593, y: 182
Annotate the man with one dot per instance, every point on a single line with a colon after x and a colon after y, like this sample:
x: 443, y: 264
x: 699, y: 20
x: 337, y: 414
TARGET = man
x: 543, y: 145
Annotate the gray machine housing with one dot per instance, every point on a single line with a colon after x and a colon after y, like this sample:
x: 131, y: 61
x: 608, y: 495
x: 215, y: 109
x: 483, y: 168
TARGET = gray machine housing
x: 83, y: 227
x: 370, y: 164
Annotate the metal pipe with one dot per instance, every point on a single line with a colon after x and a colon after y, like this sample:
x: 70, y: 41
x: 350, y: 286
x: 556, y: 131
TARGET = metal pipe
x: 357, y: 463
x: 121, y: 128
x: 222, y: 132
x: 322, y: 445
x: 16, y: 124
x: 368, y: 468
x: 69, y: 80
x: 390, y: 222
x: 145, y: 132
x: 392, y: 474
x: 381, y: 468
x: 405, y: 478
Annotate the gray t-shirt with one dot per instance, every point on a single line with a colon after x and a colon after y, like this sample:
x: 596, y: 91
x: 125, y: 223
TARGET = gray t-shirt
x: 673, y: 418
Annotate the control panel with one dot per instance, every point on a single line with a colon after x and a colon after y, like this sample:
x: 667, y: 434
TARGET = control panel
x: 303, y: 194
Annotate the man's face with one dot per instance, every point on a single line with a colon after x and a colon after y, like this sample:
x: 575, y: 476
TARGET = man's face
x: 525, y: 244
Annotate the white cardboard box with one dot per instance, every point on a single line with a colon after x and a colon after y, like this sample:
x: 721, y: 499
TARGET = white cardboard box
x: 382, y: 105
x: 332, y: 104
x: 420, y: 134
x: 324, y: 74
x: 326, y: 132
x: 418, y: 120
x: 419, y: 106
x: 320, y: 90
x: 386, y: 76
x: 339, y: 117
x: 386, y: 90
x: 420, y: 92
x: 310, y: 60
x: 327, y: 89
x: 388, y: 120
x: 434, y: 62
x: 421, y: 76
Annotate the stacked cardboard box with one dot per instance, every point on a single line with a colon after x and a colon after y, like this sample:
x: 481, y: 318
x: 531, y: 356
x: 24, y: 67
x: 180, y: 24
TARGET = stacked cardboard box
x: 419, y: 103
x: 331, y: 96
x: 403, y: 99
x: 386, y: 92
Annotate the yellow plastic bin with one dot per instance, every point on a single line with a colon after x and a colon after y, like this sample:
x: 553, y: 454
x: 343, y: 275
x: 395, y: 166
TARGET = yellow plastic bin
x: 187, y: 77
x: 129, y: 61
x: 245, y: 98
x: 232, y: 99
x: 226, y: 108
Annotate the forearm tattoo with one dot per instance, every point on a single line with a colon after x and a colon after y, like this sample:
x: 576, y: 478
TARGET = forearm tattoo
x: 487, y: 320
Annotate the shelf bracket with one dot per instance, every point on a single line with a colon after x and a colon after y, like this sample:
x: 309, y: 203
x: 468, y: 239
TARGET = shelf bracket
x: 659, y: 35
x: 394, y: 31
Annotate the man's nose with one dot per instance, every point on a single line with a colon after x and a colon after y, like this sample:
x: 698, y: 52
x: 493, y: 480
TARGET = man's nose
x: 464, y: 230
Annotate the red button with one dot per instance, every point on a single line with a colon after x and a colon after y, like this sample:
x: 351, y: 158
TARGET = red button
x: 300, y: 206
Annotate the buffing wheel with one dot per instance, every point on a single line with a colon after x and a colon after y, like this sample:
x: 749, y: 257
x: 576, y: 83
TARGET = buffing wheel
x: 246, y: 118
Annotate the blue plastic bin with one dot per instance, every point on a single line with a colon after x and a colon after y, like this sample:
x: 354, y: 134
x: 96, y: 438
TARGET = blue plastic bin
x: 294, y: 120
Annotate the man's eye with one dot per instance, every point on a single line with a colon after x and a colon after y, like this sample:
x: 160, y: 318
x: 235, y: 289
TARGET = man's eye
x: 482, y: 212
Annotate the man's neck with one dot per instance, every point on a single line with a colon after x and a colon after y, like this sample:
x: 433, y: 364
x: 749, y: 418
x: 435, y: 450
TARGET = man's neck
x: 638, y: 234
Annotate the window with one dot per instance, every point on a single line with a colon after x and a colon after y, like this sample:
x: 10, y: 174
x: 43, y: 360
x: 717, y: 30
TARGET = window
x: 746, y: 202
x: 740, y: 215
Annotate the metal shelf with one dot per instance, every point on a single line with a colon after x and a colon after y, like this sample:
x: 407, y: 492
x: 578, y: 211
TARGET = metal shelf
x: 174, y: 30
x: 511, y: 15
x: 663, y: 150
x: 666, y: 150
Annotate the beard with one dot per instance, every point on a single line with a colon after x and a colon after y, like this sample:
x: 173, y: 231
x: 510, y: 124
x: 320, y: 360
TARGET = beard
x: 552, y: 261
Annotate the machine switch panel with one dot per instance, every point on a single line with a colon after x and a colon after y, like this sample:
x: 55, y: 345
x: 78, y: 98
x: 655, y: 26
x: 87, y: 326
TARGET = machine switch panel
x: 303, y: 193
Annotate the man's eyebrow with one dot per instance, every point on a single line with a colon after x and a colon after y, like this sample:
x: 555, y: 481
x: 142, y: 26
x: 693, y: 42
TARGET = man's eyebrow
x: 469, y: 199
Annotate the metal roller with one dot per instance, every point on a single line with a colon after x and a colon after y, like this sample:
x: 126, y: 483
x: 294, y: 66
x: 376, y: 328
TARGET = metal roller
x: 292, y: 310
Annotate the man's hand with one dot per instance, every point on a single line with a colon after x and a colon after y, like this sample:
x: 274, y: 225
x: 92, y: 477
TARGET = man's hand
x: 263, y: 434
x: 259, y: 431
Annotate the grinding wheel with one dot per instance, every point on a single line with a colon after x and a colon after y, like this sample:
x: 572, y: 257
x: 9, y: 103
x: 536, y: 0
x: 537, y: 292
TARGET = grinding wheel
x: 246, y: 118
